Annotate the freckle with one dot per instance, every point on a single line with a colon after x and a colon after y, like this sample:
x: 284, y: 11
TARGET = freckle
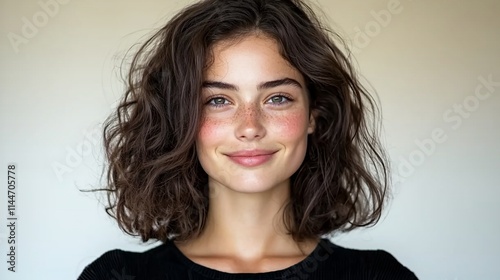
x: 243, y: 114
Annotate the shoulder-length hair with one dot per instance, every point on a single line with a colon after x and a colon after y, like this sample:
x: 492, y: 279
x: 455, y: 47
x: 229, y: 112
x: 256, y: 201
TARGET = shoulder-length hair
x: 156, y: 187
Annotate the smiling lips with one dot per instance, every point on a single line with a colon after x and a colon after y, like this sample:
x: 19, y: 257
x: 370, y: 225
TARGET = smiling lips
x: 251, y: 158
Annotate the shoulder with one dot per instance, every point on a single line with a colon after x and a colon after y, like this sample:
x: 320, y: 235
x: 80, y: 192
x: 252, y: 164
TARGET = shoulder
x: 156, y: 263
x: 366, y: 264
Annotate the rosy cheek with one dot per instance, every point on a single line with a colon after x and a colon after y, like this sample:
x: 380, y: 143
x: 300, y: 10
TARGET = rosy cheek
x: 207, y: 129
x: 210, y: 129
x: 291, y: 125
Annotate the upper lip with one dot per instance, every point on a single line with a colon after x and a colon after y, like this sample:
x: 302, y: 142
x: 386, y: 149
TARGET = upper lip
x: 250, y: 153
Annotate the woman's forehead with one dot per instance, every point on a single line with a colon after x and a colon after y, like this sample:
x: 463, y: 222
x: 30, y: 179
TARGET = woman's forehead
x: 247, y: 55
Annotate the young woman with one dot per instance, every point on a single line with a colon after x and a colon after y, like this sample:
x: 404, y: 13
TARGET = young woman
x: 243, y: 139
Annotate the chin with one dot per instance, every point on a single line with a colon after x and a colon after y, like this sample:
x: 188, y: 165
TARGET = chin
x: 250, y: 185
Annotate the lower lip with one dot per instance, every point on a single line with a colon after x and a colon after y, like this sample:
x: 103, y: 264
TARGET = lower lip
x: 252, y: 161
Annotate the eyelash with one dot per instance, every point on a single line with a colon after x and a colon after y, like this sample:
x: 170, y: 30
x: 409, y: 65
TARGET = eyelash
x: 286, y: 98
x: 209, y: 102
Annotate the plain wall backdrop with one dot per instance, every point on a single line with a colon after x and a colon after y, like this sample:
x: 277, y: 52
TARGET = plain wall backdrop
x: 434, y: 64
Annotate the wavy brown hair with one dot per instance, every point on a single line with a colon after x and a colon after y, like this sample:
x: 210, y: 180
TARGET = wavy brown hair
x: 156, y: 187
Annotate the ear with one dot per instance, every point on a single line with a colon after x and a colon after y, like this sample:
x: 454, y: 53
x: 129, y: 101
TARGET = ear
x: 312, y: 121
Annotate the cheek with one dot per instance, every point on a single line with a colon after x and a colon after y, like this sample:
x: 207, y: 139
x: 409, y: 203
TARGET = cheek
x: 210, y: 131
x: 207, y: 128
x: 293, y: 125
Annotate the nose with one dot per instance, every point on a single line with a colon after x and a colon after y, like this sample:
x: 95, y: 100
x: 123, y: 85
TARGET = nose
x: 250, y: 123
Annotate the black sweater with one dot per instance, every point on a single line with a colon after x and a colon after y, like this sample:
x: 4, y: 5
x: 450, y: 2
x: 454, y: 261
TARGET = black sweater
x: 327, y: 261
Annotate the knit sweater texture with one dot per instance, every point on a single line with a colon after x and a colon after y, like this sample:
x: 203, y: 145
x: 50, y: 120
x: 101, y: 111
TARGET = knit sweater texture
x: 327, y: 261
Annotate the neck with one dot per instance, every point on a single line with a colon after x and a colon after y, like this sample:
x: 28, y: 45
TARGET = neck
x: 248, y: 226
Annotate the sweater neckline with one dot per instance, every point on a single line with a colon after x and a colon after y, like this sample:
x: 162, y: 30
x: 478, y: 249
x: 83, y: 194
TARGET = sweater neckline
x: 275, y: 274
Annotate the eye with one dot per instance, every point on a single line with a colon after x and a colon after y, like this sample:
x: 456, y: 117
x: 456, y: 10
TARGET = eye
x: 218, y: 101
x: 279, y: 99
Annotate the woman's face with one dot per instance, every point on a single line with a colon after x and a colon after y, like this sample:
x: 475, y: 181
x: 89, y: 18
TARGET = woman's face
x: 255, y: 121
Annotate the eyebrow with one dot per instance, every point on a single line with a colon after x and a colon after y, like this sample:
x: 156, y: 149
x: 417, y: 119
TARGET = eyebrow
x: 261, y: 86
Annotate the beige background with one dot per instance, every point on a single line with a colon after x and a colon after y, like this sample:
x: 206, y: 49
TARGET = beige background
x: 428, y: 63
